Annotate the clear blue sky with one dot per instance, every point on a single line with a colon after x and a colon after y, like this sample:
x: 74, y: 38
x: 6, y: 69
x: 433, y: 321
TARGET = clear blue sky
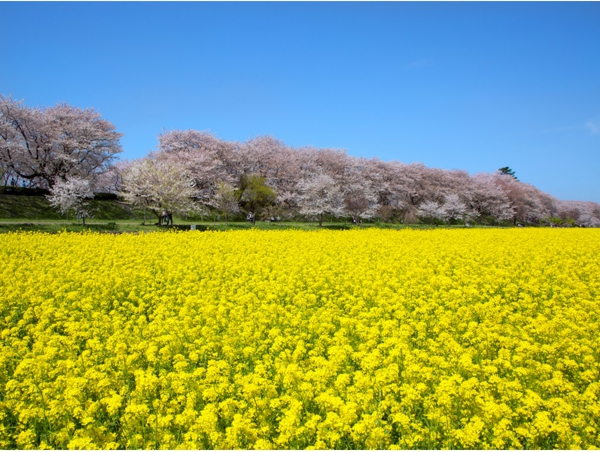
x: 473, y: 86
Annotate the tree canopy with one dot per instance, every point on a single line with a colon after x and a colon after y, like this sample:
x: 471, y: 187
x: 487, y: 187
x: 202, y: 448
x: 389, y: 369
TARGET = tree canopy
x: 45, y: 145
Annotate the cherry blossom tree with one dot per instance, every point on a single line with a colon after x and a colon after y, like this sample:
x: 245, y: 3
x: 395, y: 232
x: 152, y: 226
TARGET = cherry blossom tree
x: 5, y: 174
x: 410, y: 185
x: 320, y: 195
x: 360, y: 198
x: 385, y: 181
x: 529, y: 204
x: 111, y: 180
x: 335, y: 163
x: 430, y: 211
x: 261, y: 156
x: 45, y: 145
x: 582, y: 213
x: 359, y: 202
x: 164, y: 188
x: 207, y: 158
x: 72, y: 194
x: 488, y: 199
x: 453, y: 208
x: 225, y: 200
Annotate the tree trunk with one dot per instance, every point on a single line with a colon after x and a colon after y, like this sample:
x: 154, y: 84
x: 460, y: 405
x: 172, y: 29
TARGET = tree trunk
x: 321, y: 220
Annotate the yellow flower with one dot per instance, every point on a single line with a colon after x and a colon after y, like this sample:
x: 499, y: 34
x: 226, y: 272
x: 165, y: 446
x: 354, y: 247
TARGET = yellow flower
x: 481, y: 338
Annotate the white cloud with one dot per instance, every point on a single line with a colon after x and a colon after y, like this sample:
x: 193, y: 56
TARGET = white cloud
x: 420, y: 63
x: 593, y: 125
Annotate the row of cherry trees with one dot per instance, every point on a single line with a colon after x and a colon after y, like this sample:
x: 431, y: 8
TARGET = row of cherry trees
x: 316, y: 183
x: 72, y: 152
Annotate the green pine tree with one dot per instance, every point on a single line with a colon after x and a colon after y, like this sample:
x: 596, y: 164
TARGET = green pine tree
x: 508, y: 171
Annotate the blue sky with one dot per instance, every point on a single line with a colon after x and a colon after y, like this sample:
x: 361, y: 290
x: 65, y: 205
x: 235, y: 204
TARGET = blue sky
x: 473, y: 86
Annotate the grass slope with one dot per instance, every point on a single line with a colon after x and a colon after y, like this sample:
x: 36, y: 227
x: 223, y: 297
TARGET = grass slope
x: 34, y: 213
x: 38, y: 208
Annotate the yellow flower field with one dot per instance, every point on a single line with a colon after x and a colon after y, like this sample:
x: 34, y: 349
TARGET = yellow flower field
x: 333, y: 339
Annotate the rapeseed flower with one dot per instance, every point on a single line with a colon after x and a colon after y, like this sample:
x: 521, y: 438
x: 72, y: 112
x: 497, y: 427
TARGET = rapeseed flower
x: 362, y: 339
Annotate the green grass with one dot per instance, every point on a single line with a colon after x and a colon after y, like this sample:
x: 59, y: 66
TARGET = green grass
x: 62, y: 225
x: 34, y: 213
x: 38, y: 208
x: 30, y: 207
x: 124, y: 226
